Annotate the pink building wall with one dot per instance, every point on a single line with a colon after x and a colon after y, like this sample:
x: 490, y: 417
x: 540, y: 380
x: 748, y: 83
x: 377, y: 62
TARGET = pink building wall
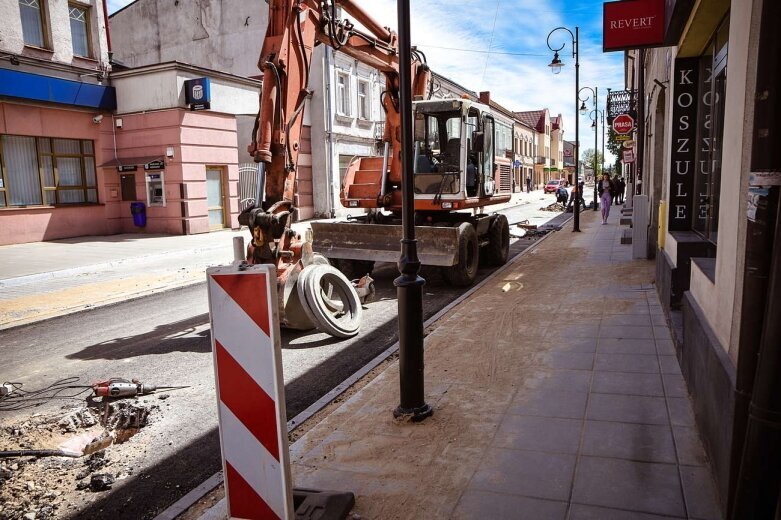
x: 37, y: 223
x: 198, y: 139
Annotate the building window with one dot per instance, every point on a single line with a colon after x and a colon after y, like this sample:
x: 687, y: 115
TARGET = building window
x: 364, y: 101
x: 710, y: 129
x: 46, y: 171
x: 342, y: 93
x: 31, y: 12
x: 79, y: 32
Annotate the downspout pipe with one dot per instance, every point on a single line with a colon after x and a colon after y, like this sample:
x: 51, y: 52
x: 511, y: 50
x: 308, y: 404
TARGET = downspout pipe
x: 758, y: 484
x: 640, y: 159
x: 108, y: 30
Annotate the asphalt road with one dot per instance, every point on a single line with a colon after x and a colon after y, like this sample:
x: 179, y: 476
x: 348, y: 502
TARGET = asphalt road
x: 164, y: 339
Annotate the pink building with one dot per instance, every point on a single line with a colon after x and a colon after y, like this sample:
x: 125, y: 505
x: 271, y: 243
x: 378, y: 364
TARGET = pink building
x: 75, y: 171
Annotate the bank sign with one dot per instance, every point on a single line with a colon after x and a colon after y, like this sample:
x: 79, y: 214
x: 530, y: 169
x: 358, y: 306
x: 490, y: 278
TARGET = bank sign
x: 197, y: 93
x: 632, y: 24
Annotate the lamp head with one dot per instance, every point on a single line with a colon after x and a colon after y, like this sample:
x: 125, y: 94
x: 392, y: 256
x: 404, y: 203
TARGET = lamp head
x: 583, y: 107
x: 556, y: 64
x: 594, y: 124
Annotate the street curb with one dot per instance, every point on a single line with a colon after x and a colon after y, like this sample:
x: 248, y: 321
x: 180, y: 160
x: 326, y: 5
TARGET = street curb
x: 214, y: 512
x: 75, y: 271
x: 99, y: 305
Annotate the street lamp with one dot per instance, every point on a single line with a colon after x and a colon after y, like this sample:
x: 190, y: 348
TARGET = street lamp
x: 597, y: 115
x: 595, y: 93
x: 556, y: 65
x: 409, y: 285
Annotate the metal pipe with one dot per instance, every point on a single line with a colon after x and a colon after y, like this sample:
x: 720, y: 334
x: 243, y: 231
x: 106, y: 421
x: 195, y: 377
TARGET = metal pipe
x: 575, y: 44
x: 384, y: 180
x: 383, y: 33
x: 758, y: 483
x: 260, y: 185
x: 238, y: 249
x: 596, y: 118
x: 409, y: 285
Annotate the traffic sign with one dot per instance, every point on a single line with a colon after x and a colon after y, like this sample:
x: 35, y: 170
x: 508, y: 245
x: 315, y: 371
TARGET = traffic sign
x: 623, y: 124
x: 250, y: 391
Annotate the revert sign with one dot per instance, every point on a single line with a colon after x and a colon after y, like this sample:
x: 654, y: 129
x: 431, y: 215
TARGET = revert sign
x: 632, y: 24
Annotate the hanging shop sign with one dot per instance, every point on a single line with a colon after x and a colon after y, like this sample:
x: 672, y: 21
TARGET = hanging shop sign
x: 629, y: 156
x: 633, y: 24
x: 684, y: 144
x: 197, y: 93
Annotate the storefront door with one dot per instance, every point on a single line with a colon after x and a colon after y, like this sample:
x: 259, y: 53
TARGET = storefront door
x: 215, y: 198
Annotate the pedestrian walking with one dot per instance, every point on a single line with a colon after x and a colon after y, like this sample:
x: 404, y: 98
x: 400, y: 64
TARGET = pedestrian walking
x: 615, y: 189
x: 606, y: 193
x: 621, y: 190
x: 528, y: 184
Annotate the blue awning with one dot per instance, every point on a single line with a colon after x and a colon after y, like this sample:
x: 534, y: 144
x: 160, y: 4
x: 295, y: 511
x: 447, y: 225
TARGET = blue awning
x: 25, y: 85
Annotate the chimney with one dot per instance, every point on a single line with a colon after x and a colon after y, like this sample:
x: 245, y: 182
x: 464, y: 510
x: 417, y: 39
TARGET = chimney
x: 485, y: 98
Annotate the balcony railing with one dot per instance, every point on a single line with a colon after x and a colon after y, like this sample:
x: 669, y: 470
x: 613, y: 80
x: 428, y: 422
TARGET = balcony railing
x: 540, y: 159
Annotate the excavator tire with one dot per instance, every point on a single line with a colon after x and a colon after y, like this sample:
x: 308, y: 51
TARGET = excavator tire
x: 330, y: 300
x: 353, y: 269
x: 464, y: 272
x: 497, y: 251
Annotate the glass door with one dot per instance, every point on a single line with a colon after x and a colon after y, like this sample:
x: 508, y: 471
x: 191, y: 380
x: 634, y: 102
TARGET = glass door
x: 215, y: 199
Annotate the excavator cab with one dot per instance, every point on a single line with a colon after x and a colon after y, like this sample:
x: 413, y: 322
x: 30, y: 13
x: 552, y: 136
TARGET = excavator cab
x: 454, y: 153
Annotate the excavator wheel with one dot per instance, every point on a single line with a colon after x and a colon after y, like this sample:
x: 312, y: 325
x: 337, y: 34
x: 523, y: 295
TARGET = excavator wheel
x: 497, y: 251
x: 464, y: 272
x: 353, y: 269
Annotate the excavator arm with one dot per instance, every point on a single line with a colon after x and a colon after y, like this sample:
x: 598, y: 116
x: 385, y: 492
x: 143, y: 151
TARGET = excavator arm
x: 294, y: 28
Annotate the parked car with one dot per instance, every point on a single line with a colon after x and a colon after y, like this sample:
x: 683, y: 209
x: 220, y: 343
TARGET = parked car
x: 553, y: 185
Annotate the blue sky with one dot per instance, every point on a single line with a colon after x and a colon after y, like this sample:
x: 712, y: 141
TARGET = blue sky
x: 499, y: 45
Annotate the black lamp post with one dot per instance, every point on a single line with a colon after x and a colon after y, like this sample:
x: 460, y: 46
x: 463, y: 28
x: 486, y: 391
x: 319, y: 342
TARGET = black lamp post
x: 594, y: 92
x: 409, y: 285
x: 556, y: 65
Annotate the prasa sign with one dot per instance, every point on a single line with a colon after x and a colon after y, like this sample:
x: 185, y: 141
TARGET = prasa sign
x: 623, y: 124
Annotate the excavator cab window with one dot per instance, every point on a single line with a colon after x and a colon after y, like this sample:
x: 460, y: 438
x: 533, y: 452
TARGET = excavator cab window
x: 438, y: 152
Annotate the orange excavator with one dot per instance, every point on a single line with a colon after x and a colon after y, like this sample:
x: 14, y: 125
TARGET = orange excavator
x: 455, y: 164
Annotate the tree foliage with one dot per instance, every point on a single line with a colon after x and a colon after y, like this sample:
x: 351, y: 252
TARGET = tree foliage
x: 588, y: 159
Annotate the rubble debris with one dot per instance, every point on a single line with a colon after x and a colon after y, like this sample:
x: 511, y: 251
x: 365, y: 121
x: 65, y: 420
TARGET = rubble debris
x: 556, y: 206
x: 54, y: 487
x: 121, y: 415
x: 77, y: 420
x: 101, y: 481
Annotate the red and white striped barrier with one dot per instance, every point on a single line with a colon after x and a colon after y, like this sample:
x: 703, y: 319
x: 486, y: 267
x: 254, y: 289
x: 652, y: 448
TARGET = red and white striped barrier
x: 250, y: 391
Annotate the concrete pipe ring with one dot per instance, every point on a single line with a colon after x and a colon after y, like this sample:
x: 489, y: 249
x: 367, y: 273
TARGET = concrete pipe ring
x: 330, y: 300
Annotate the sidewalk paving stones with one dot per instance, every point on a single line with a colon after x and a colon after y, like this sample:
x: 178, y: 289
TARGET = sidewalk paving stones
x: 554, y: 401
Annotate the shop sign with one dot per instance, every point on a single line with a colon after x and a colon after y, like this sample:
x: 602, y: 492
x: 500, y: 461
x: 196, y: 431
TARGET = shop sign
x: 629, y: 144
x: 155, y: 165
x: 684, y: 143
x: 197, y: 93
x: 623, y: 124
x: 633, y: 24
x: 127, y: 168
x: 629, y: 156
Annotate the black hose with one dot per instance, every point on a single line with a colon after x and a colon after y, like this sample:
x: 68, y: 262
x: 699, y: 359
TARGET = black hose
x: 38, y: 453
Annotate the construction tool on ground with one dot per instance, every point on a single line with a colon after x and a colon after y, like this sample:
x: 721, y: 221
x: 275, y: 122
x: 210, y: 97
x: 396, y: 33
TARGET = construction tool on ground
x: 118, y: 387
